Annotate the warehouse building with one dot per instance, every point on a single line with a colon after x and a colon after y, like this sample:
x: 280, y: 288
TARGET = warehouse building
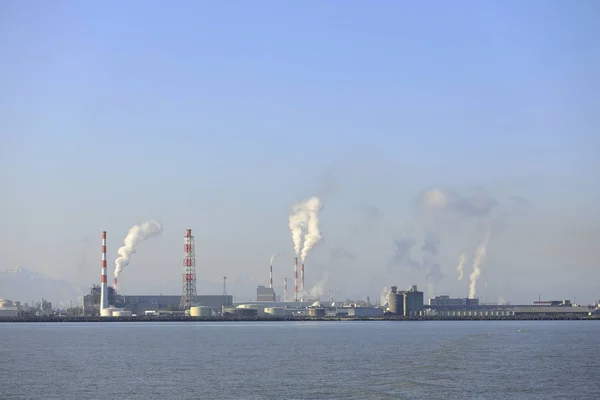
x: 447, y: 302
x: 142, y: 303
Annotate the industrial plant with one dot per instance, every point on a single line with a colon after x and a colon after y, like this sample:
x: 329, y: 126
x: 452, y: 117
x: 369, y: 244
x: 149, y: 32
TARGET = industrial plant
x: 105, y: 302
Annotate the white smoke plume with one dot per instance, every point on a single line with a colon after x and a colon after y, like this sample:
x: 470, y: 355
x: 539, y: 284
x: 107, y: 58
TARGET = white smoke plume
x: 317, y: 290
x: 304, y: 226
x: 313, y: 234
x: 298, y: 219
x: 462, y: 259
x: 136, y: 235
x: 478, y: 259
x: 384, y: 297
x: 273, y: 258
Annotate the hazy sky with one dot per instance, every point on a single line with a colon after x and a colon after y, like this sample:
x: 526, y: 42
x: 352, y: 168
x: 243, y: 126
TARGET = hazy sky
x: 217, y: 116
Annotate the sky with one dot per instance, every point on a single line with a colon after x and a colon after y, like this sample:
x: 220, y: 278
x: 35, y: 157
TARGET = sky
x: 219, y: 116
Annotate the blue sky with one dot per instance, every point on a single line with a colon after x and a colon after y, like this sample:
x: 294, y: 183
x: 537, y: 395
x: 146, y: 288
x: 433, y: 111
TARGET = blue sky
x: 218, y: 116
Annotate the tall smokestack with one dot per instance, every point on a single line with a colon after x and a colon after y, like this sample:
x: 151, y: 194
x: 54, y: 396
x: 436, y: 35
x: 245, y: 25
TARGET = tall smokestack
x: 296, y: 279
x: 103, y: 287
x: 302, y: 282
x: 271, y: 277
x: 285, y: 289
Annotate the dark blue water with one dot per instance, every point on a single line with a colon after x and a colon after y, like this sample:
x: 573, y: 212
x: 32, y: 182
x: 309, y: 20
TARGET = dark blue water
x: 303, y: 360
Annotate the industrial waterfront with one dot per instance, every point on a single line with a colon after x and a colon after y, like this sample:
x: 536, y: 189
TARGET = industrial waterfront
x: 105, y: 303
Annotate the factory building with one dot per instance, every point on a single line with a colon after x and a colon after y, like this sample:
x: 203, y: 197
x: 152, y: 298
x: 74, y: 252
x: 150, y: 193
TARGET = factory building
x: 265, y: 294
x: 446, y: 301
x: 553, y: 303
x: 91, y: 301
x: 407, y: 303
x: 141, y: 304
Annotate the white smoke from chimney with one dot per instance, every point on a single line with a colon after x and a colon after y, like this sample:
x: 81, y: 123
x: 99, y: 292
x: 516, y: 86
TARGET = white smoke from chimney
x: 298, y: 219
x: 135, y: 235
x: 462, y: 259
x: 317, y: 290
x: 304, y: 226
x: 313, y: 234
x: 384, y: 297
x: 273, y: 258
x: 478, y: 259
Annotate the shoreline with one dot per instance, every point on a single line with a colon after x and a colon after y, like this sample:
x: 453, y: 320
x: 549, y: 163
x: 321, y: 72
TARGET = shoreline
x: 286, y: 319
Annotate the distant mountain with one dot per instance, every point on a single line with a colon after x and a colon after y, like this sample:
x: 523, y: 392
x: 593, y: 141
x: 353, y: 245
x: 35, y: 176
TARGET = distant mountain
x: 20, y: 284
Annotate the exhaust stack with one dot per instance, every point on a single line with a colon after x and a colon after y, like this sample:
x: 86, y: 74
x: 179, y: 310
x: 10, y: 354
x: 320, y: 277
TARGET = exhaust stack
x: 103, y: 283
x: 285, y: 296
x: 296, y: 279
x: 271, y: 277
x: 302, y: 282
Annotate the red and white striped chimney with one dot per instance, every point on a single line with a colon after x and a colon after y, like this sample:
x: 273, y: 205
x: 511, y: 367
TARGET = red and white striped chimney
x: 296, y: 279
x: 103, y: 284
x: 302, y: 282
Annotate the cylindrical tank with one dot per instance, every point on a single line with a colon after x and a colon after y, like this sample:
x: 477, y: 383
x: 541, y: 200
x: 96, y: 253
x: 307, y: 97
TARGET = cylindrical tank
x: 201, y: 311
x: 396, y: 303
x: 260, y: 309
x: 106, y: 312
x: 121, y: 313
x: 316, y: 312
x: 275, y: 311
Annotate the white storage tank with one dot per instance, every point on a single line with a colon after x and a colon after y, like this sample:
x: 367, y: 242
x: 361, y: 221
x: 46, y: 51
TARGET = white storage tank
x: 260, y: 309
x: 107, y: 312
x: 121, y: 313
x: 275, y: 312
x: 201, y: 311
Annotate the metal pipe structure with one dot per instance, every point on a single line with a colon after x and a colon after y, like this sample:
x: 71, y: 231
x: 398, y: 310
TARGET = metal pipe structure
x: 296, y: 279
x: 103, y: 280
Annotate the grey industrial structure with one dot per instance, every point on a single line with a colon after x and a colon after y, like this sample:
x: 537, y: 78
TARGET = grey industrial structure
x: 265, y: 294
x: 142, y: 303
x: 444, y: 306
x: 407, y: 303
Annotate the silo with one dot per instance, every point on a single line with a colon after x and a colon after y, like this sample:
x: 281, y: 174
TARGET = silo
x: 396, y: 302
x: 201, y: 311
x: 260, y: 309
x: 275, y: 312
x: 316, y: 312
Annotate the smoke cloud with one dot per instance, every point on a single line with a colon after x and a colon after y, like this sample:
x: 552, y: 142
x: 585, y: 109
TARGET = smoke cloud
x: 304, y: 226
x: 135, y: 235
x: 297, y: 220
x: 431, y: 245
x: 401, y: 254
x: 478, y: 259
x: 478, y: 205
x: 462, y: 259
x: 317, y: 290
x: 338, y: 253
x: 313, y: 234
x: 431, y: 249
x: 273, y: 258
x: 384, y: 296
